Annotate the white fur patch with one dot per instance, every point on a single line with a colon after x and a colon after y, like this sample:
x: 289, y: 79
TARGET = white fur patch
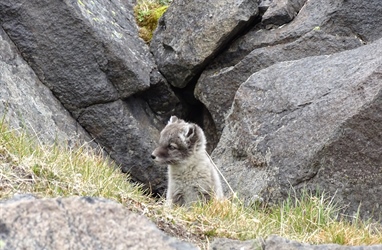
x: 182, y: 136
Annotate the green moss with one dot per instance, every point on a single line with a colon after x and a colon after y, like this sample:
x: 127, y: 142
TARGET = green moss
x: 147, y: 14
x: 157, y: 13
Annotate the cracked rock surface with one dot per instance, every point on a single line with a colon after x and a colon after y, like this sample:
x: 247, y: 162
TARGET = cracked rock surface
x: 25, y: 102
x: 89, y: 55
x: 190, y: 33
x: 321, y: 27
x: 274, y: 242
x: 78, y: 223
x: 307, y: 123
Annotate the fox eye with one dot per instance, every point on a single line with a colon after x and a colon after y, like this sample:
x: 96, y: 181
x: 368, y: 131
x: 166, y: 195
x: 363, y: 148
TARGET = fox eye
x: 171, y: 146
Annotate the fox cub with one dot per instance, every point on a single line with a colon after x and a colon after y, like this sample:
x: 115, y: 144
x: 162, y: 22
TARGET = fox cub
x: 191, y: 174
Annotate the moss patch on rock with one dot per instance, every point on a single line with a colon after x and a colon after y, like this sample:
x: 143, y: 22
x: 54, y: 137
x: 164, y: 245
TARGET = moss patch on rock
x: 147, y: 14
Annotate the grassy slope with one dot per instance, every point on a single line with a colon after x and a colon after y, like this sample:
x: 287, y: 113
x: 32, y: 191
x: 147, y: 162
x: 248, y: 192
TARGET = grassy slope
x: 53, y: 171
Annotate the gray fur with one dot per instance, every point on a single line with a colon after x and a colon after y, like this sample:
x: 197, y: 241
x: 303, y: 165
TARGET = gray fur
x: 191, y: 174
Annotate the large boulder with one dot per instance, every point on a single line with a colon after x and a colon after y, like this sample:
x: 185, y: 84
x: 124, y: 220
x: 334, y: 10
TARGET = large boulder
x: 310, y: 123
x: 28, y: 104
x: 88, y: 53
x: 191, y: 33
x: 333, y: 17
x: 85, y: 52
x: 274, y: 242
x: 78, y: 223
x: 320, y: 27
x: 281, y: 12
x: 216, y: 88
x: 228, y: 244
x: 126, y: 133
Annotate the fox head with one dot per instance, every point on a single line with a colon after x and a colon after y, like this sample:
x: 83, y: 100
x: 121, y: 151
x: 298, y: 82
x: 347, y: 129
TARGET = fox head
x: 178, y: 141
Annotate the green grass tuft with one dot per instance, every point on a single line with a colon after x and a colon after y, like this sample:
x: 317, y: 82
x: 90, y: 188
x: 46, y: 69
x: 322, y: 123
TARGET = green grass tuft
x: 147, y: 14
x: 50, y: 171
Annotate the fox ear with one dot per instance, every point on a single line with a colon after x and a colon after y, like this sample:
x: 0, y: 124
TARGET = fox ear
x: 173, y: 119
x: 190, y: 131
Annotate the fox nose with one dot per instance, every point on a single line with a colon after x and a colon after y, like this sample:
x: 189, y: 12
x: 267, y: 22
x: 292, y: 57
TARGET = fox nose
x: 153, y: 157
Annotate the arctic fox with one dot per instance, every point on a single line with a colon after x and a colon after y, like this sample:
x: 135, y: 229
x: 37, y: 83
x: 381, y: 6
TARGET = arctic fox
x: 191, y: 174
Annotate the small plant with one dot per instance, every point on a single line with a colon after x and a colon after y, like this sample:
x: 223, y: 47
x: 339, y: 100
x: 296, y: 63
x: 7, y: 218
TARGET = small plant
x: 147, y: 14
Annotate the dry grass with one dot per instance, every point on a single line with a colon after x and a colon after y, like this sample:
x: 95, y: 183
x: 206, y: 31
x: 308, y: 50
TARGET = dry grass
x: 55, y: 171
x: 51, y: 171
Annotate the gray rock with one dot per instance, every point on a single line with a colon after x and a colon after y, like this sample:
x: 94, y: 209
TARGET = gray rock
x: 216, y: 88
x: 314, y: 122
x: 89, y: 54
x: 78, y: 223
x: 190, y: 33
x: 326, y: 15
x: 228, y: 244
x: 274, y: 242
x: 85, y: 52
x: 264, y: 5
x: 162, y: 100
x: 282, y: 12
x: 128, y: 135
x: 312, y: 16
x: 318, y: 29
x: 28, y: 104
x: 358, y: 18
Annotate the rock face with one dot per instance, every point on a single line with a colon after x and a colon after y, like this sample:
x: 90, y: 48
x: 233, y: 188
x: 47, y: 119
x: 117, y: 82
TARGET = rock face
x: 228, y: 244
x: 125, y: 132
x: 88, y: 53
x: 27, y: 103
x: 78, y: 223
x: 281, y: 12
x: 311, y: 123
x: 216, y: 88
x: 190, y: 33
x: 76, y: 52
x: 275, y: 242
x: 321, y: 27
